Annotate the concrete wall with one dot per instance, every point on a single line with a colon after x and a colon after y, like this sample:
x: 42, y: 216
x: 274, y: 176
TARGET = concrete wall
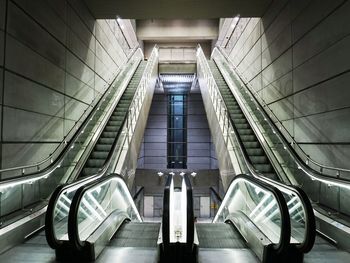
x: 200, y: 149
x: 55, y: 58
x: 297, y: 58
x: 153, y: 153
x: 177, y: 51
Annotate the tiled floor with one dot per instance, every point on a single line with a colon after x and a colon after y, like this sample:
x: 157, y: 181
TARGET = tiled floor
x: 36, y: 250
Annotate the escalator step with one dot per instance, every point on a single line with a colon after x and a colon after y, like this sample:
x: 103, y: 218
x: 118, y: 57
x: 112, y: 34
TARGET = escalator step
x: 99, y: 154
x: 116, y: 118
x: 264, y: 168
x: 254, y: 144
x: 108, y: 141
x: 249, y: 138
x: 90, y: 171
x: 107, y: 134
x: 259, y: 159
x: 255, y: 151
x: 245, y: 132
x: 237, y: 116
x: 271, y: 176
x: 242, y: 125
x: 111, y: 128
x: 103, y: 147
x: 114, y: 123
x: 240, y: 121
x: 98, y: 163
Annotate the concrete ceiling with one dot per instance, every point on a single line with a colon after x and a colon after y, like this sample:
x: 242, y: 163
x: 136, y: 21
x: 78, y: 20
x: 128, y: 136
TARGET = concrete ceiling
x: 177, y: 30
x: 176, y: 9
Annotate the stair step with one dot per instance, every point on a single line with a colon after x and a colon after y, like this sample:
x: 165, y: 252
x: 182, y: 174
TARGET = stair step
x: 95, y: 163
x: 108, y: 141
x: 245, y: 131
x: 263, y: 168
x: 248, y: 138
x: 89, y: 171
x: 111, y: 128
x: 252, y: 145
x: 102, y: 147
x: 255, y: 151
x: 106, y: 134
x: 99, y: 154
x: 259, y: 159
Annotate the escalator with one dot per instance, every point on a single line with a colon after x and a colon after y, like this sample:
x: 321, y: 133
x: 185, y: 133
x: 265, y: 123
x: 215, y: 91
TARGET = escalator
x: 253, y: 148
x: 105, y: 153
x: 264, y: 149
x: 99, y: 143
x: 251, y: 225
x: 250, y: 154
x: 110, y: 133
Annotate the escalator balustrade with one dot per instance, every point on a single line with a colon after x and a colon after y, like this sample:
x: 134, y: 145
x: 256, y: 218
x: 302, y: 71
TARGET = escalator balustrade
x: 255, y: 152
x: 100, y: 152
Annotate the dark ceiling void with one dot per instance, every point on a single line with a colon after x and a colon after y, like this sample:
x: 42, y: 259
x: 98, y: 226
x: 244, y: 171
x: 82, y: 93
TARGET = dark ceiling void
x: 176, y: 9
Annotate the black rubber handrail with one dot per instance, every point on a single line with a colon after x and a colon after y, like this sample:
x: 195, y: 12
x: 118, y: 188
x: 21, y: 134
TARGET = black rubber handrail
x: 309, y: 214
x: 216, y: 194
x: 49, y: 224
x: 166, y: 213
x: 73, y: 230
x: 284, y: 241
x: 190, y: 214
x: 137, y: 194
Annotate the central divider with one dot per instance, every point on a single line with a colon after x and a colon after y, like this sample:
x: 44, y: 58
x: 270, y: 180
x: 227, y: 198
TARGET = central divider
x: 179, y: 241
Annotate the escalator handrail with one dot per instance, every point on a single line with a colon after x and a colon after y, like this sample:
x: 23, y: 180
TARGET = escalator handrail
x: 137, y: 194
x: 310, y: 219
x: 64, y: 143
x: 281, y: 137
x: 216, y: 194
x: 190, y: 214
x: 73, y: 230
x: 285, y: 219
x: 166, y: 212
x: 49, y: 224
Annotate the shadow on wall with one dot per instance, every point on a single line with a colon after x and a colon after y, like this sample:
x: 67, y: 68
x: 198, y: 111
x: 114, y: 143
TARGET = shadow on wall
x: 295, y: 58
x: 58, y: 60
